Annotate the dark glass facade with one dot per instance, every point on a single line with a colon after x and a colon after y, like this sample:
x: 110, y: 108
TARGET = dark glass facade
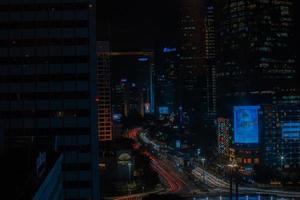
x: 192, y: 71
x: 210, y: 56
x: 256, y: 52
x: 256, y: 65
x: 166, y: 78
x: 48, y: 83
x: 280, y: 127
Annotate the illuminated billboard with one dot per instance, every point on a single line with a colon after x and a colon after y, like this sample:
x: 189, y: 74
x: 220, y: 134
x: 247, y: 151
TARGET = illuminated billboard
x: 246, y: 124
x: 290, y: 130
x: 164, y: 110
x: 178, y: 144
x: 117, y: 117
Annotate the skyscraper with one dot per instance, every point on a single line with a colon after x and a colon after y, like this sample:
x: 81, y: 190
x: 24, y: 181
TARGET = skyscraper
x: 166, y: 78
x: 133, y: 84
x: 256, y: 52
x: 210, y: 56
x: 104, y: 92
x: 48, y: 83
x: 280, y: 125
x: 256, y: 66
x: 193, y: 73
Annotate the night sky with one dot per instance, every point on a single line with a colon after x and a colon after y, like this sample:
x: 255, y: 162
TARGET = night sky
x: 137, y: 24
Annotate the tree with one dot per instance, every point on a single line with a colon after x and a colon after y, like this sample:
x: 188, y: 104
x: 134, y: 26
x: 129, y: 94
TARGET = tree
x: 263, y: 174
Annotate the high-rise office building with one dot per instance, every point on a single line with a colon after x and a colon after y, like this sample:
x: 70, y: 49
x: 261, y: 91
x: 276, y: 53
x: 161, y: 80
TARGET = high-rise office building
x: 48, y: 83
x: 145, y: 81
x: 256, y: 66
x: 280, y: 128
x: 133, y: 83
x: 256, y: 52
x: 104, y: 92
x: 192, y: 70
x: 166, y: 79
x: 210, y: 55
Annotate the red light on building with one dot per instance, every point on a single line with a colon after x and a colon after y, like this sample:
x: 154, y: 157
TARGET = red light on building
x: 97, y: 99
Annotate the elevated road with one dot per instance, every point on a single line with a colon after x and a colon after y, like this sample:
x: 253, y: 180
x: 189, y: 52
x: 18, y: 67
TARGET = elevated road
x: 178, y: 183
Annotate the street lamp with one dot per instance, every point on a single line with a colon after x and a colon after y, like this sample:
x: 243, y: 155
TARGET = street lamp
x: 232, y: 166
x: 281, y: 161
x: 203, y: 162
x: 129, y: 171
x: 198, y: 153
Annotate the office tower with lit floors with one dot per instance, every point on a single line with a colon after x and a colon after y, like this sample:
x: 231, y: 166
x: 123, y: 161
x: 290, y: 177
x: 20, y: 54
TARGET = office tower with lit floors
x: 256, y: 66
x: 48, y: 84
x: 210, y: 56
x: 192, y: 80
x: 280, y: 125
x: 166, y: 80
x: 256, y: 52
x: 104, y: 92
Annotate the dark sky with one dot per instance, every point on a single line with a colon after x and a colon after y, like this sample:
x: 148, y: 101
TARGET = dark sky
x: 136, y: 24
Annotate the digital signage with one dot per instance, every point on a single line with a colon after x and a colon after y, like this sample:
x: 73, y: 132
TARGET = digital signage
x: 246, y: 124
x: 167, y: 50
x: 178, y: 144
x: 290, y: 130
x: 164, y: 110
x: 117, y: 117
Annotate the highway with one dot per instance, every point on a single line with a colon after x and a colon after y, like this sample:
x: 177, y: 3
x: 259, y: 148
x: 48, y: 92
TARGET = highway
x: 178, y: 183
x: 174, y: 183
x: 222, y: 185
x: 209, y: 179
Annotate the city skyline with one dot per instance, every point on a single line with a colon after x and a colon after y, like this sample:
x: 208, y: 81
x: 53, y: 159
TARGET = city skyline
x: 139, y: 100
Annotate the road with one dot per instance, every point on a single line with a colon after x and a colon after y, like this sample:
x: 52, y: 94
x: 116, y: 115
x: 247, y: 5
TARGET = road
x: 222, y: 185
x: 173, y: 183
x: 180, y: 183
x: 177, y: 181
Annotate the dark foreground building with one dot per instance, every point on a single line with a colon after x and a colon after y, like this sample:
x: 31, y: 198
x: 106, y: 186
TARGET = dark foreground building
x: 48, y: 84
x: 31, y: 170
x: 192, y: 72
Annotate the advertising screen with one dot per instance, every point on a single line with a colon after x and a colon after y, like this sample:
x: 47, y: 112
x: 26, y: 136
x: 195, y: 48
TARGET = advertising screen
x: 163, y: 110
x: 246, y: 124
x: 117, y: 117
x: 290, y: 130
x: 178, y: 144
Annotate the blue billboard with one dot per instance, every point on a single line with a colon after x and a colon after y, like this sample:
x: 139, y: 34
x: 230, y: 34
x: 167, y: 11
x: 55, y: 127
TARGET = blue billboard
x: 164, y: 110
x: 117, y: 117
x: 178, y: 144
x: 290, y: 130
x: 246, y: 124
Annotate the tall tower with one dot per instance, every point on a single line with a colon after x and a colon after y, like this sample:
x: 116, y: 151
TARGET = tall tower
x: 257, y: 66
x: 48, y: 83
x: 192, y: 69
x: 257, y: 57
x: 210, y: 56
x: 104, y: 92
